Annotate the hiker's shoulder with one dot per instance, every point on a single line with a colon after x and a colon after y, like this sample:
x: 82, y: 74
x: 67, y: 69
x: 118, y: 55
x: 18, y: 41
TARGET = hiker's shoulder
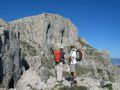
x: 74, y: 49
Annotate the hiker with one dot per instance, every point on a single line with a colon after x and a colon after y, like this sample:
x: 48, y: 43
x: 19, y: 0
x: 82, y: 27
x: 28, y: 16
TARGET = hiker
x: 58, y: 64
x: 62, y: 55
x: 73, y: 64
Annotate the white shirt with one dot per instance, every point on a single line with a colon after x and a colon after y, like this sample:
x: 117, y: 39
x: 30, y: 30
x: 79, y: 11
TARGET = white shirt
x: 73, y: 56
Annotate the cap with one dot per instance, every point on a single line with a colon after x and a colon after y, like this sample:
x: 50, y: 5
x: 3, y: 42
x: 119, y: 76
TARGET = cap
x: 62, y: 46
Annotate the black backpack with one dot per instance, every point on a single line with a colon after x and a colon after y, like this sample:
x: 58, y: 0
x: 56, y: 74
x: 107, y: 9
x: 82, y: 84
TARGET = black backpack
x: 79, y: 55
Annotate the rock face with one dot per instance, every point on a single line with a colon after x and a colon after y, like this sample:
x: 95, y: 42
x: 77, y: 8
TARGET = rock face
x: 38, y: 36
x: 10, y: 56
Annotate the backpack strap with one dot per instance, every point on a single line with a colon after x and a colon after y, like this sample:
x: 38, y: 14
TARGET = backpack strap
x: 72, y: 52
x: 75, y: 51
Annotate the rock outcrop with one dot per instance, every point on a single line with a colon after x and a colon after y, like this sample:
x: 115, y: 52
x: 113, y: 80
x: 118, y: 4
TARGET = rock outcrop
x: 10, y: 56
x: 38, y: 36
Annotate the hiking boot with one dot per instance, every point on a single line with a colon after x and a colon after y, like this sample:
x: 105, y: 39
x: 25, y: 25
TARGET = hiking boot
x: 73, y: 82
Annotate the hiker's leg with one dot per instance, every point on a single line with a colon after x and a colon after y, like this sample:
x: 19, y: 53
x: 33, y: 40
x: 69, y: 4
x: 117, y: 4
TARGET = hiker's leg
x: 72, y: 76
x: 59, y: 72
x: 73, y: 69
x: 75, y: 75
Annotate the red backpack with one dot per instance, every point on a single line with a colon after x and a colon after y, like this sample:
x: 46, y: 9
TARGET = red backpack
x: 57, y: 56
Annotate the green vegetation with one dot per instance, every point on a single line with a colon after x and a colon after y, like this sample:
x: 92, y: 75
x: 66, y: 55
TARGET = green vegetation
x: 60, y: 87
x: 66, y: 74
x: 82, y: 71
x: 56, y: 87
x: 99, y: 70
x: 74, y: 88
x: 83, y: 43
x: 30, y: 87
x: 111, y: 77
x: 30, y: 49
x: 109, y: 86
x: 48, y: 63
x: 92, y: 52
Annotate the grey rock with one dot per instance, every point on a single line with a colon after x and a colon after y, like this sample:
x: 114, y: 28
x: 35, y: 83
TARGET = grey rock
x: 10, y: 57
x: 44, y: 73
x: 39, y: 35
x: 3, y: 23
x: 29, y: 80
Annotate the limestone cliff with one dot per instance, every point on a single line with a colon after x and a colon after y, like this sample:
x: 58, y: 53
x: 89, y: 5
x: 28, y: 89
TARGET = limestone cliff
x: 40, y: 34
x: 10, y: 56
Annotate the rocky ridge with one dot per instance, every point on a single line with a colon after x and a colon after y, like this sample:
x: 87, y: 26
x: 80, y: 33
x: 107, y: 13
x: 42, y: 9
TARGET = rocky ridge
x: 27, y: 61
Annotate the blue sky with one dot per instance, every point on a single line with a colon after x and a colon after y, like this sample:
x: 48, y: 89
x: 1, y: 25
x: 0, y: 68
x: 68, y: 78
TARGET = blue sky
x: 98, y: 21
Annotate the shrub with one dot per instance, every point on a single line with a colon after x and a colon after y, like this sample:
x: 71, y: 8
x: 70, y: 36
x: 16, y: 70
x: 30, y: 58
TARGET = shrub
x: 47, y: 63
x: 82, y: 70
x: 30, y: 49
x: 109, y: 86
x: 74, y: 88
x: 99, y: 70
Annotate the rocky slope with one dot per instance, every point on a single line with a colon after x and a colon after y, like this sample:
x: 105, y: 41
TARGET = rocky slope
x: 33, y: 65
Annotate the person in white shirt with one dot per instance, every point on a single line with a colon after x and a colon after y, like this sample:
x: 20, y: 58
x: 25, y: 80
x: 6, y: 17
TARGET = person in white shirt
x: 73, y: 63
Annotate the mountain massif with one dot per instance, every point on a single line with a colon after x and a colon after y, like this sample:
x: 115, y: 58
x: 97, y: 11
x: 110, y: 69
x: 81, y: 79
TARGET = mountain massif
x: 27, y: 62
x: 115, y: 61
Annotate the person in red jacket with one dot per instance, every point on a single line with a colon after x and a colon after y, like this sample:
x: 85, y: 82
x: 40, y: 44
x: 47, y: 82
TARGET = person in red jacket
x: 58, y: 64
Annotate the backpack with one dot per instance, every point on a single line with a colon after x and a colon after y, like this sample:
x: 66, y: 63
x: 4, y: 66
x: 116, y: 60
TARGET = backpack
x: 57, y: 56
x: 79, y: 55
x: 62, y: 57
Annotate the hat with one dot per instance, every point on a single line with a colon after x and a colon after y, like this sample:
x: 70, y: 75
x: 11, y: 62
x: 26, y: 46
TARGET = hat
x: 62, y: 46
x: 57, y: 46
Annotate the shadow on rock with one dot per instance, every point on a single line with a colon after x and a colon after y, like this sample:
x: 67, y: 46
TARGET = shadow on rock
x: 25, y: 64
